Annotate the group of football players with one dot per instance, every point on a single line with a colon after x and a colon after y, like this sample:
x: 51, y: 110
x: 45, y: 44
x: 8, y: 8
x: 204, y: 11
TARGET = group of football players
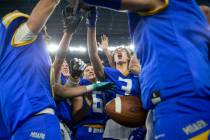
x: 65, y: 99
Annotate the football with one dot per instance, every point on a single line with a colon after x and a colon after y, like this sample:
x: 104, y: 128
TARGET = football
x: 127, y: 111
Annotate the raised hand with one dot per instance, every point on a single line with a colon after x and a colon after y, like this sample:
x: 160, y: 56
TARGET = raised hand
x: 104, y: 44
x: 77, y: 66
x: 92, y: 16
x: 71, y: 20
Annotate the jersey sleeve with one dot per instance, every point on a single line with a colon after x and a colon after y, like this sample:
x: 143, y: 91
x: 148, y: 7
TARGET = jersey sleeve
x: 84, y: 82
x: 23, y: 36
x: 154, y: 11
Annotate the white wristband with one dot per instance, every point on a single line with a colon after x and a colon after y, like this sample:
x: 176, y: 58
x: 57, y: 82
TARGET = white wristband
x: 89, y: 88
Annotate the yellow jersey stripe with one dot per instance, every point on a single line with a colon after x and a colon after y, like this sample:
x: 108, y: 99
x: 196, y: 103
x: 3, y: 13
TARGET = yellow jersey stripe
x: 202, y: 136
x: 23, y: 42
x: 155, y: 11
x: 52, y: 78
x: 6, y: 20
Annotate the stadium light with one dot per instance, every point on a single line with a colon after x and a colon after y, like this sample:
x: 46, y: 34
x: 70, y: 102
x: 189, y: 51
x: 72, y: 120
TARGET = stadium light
x: 81, y: 49
x: 131, y: 46
x: 112, y: 48
x: 52, y: 47
x: 100, y: 49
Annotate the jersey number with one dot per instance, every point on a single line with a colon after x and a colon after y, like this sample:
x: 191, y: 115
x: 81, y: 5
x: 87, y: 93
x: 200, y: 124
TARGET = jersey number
x: 97, y: 103
x: 128, y: 86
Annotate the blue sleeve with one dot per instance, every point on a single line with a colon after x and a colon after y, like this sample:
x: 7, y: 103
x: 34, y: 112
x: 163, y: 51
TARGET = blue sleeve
x: 113, y: 4
x: 84, y: 82
x: 108, y: 71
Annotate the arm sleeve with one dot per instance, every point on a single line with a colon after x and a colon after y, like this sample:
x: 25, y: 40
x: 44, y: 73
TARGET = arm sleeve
x: 23, y: 36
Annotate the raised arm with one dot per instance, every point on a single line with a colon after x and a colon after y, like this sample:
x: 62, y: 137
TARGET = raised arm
x: 27, y: 33
x: 70, y: 24
x: 92, y: 44
x: 40, y: 14
x: 132, y: 5
x: 61, y: 54
x: 104, y: 44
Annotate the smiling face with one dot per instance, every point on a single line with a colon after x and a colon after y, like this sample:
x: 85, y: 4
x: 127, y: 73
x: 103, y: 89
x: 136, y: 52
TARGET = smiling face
x: 65, y: 69
x: 121, y: 56
x: 89, y: 73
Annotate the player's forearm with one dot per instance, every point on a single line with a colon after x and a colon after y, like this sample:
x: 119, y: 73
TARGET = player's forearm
x: 91, y: 40
x: 61, y: 54
x: 67, y: 92
x: 93, y: 53
x: 133, y: 5
x: 109, y: 57
x: 73, y: 92
x: 40, y: 14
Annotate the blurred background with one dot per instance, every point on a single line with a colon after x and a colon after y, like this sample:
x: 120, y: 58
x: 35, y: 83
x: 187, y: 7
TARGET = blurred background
x: 112, y: 23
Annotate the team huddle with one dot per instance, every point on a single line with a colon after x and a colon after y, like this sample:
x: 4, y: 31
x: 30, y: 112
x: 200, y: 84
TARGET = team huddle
x: 168, y: 74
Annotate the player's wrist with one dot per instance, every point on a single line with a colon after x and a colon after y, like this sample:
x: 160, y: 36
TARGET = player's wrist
x: 90, y: 87
x: 91, y: 23
x: 68, y: 32
x: 101, y: 86
x: 113, y: 4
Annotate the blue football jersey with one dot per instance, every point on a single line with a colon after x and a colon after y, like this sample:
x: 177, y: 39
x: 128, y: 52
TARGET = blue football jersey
x: 172, y: 46
x: 25, y: 74
x: 4, y: 134
x: 63, y: 79
x: 96, y: 114
x: 63, y: 109
x: 124, y: 85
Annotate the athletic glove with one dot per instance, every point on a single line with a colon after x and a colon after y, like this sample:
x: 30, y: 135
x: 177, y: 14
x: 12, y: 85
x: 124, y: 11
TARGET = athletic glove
x: 102, y: 86
x: 71, y: 21
x: 77, y: 66
x: 92, y: 16
x: 138, y: 134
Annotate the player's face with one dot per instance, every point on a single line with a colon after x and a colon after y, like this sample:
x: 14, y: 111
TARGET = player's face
x: 65, y: 69
x: 120, y: 56
x: 89, y: 73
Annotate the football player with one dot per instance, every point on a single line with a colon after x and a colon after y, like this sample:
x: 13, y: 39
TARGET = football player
x: 91, y: 126
x: 127, y: 83
x: 25, y: 95
x: 171, y: 39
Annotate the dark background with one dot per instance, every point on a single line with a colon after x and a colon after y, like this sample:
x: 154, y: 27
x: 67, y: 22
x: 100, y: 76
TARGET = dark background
x: 111, y: 23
